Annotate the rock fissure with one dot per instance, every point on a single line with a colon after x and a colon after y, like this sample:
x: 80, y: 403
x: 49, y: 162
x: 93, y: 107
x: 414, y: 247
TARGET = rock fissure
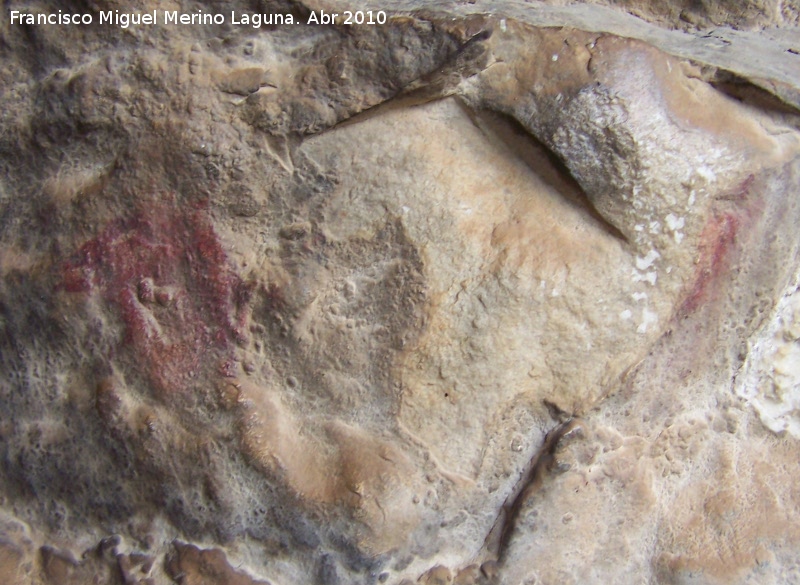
x: 530, y: 482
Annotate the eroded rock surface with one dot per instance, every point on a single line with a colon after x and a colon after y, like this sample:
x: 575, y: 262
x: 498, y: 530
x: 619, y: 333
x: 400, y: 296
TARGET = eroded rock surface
x: 466, y: 297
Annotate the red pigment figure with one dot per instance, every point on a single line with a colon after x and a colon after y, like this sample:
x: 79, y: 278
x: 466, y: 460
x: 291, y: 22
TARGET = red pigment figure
x: 719, y: 240
x: 164, y: 271
x: 716, y: 241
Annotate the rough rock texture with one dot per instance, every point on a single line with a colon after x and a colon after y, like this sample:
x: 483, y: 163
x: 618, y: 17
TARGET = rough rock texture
x: 484, y: 294
x: 706, y: 14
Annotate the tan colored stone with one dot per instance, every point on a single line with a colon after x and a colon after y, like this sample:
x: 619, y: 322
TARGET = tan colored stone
x: 497, y: 294
x: 190, y: 565
x: 12, y: 565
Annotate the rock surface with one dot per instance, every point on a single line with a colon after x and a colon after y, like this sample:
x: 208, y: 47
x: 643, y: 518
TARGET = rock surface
x: 485, y: 294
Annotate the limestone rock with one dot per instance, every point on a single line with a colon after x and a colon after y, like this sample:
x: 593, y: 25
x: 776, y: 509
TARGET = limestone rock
x: 482, y: 294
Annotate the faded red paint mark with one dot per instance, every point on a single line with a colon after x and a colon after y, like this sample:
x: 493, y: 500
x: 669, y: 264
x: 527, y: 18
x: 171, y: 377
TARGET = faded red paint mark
x: 719, y: 240
x: 743, y: 190
x: 716, y: 242
x: 166, y: 274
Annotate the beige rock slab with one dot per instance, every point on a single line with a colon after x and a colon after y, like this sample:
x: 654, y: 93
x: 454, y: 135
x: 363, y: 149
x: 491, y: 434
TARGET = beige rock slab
x: 325, y: 299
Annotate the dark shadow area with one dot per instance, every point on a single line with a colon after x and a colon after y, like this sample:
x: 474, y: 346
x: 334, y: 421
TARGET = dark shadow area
x: 504, y: 130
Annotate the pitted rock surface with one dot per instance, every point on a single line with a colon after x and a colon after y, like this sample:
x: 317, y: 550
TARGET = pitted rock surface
x: 484, y: 294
